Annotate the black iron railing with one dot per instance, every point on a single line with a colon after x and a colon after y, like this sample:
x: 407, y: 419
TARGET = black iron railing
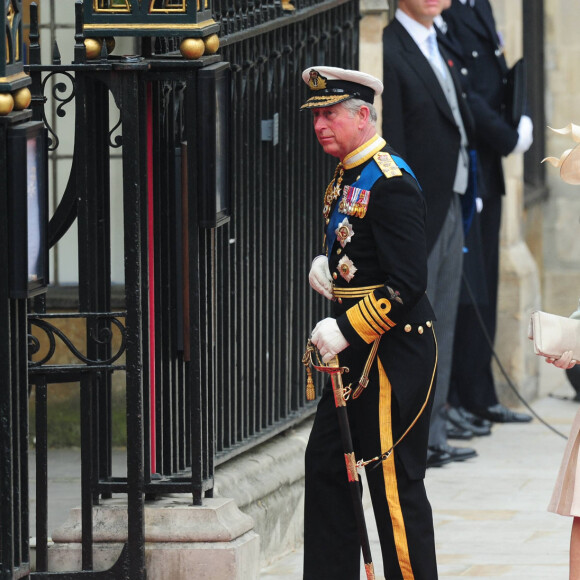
x: 214, y: 320
x: 265, y: 308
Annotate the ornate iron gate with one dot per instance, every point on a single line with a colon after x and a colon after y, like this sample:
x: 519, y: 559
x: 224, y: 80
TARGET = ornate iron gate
x: 215, y: 318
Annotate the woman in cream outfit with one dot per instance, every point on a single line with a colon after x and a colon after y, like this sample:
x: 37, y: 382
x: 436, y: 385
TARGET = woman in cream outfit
x: 566, y: 495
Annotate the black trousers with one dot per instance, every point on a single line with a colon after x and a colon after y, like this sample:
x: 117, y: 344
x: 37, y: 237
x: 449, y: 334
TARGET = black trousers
x: 472, y: 385
x: 401, y: 508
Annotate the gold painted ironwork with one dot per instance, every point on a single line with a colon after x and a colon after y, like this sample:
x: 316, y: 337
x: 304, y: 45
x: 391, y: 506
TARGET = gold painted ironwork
x: 143, y: 26
x: 112, y: 6
x: 167, y: 6
x: 15, y: 52
x: 10, y: 14
x: 14, y: 77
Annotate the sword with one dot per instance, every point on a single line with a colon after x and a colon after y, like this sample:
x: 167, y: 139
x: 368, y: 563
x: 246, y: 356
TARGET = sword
x: 340, y: 396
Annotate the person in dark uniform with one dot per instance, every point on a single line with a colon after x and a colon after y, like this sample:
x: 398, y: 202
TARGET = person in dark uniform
x: 475, y: 46
x: 375, y: 271
x: 426, y: 118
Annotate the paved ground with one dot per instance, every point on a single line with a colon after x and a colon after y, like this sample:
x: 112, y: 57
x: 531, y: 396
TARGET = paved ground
x: 490, y: 512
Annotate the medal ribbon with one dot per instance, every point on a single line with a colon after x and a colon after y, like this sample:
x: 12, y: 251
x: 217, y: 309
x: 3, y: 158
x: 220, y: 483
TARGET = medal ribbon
x: 368, y: 177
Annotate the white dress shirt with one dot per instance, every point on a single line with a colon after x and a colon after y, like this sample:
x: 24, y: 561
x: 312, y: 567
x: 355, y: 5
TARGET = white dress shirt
x: 420, y: 34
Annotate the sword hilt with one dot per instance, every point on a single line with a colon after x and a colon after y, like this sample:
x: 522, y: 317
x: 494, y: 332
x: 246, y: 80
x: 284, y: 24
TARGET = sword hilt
x: 332, y: 367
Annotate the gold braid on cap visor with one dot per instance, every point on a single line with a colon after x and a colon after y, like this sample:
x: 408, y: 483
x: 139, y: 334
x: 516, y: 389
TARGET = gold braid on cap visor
x: 324, y: 101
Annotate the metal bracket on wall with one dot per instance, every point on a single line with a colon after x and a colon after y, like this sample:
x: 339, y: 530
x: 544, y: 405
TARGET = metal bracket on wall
x: 270, y: 129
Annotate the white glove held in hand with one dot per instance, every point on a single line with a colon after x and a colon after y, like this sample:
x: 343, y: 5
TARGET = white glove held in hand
x: 525, y: 135
x: 320, y: 278
x: 564, y: 362
x: 327, y: 337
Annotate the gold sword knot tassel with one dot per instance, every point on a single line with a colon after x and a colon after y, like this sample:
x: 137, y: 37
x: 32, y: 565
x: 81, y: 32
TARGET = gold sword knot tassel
x: 332, y: 368
x: 306, y: 361
x: 310, y: 389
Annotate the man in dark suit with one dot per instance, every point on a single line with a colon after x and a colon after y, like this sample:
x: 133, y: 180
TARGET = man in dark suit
x: 375, y: 270
x: 471, y: 39
x: 426, y: 118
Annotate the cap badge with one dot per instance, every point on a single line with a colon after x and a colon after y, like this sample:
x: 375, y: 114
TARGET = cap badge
x: 316, y: 81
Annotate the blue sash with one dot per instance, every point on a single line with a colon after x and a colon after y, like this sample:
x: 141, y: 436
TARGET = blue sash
x: 368, y: 177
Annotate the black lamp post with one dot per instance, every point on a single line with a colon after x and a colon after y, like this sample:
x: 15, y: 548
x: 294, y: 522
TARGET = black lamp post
x: 14, y: 94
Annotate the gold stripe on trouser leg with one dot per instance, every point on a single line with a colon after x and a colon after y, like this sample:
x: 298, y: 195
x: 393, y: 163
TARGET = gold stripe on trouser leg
x: 390, y: 476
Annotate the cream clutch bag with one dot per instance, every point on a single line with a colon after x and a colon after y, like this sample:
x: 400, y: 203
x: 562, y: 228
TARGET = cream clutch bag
x: 553, y: 335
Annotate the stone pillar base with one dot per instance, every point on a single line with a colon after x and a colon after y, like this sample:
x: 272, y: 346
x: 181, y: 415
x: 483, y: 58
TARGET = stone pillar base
x: 518, y: 297
x: 215, y: 541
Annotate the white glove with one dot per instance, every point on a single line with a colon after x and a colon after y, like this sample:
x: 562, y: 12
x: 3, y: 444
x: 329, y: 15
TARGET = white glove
x: 564, y: 362
x: 320, y: 278
x: 525, y: 135
x: 327, y: 337
x: 478, y: 204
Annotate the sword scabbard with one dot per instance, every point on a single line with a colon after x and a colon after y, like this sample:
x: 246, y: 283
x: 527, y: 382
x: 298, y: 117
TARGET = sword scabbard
x: 336, y: 378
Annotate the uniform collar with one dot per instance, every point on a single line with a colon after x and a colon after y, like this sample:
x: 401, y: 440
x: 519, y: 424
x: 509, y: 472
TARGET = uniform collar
x: 364, y: 152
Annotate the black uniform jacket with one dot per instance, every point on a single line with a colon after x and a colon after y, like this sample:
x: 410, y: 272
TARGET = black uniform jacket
x: 419, y: 124
x: 380, y: 250
x: 475, y: 48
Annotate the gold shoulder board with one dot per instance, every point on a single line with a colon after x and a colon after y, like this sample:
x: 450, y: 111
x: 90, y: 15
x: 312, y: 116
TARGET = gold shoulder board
x: 387, y: 165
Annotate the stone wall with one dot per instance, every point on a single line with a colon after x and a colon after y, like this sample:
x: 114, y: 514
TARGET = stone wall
x: 519, y: 285
x: 374, y: 18
x: 267, y: 483
x: 560, y: 251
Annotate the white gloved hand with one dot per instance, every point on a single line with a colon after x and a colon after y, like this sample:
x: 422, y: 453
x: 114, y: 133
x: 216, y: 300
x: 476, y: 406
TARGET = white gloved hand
x: 564, y: 362
x: 525, y: 135
x: 320, y: 278
x: 478, y: 204
x: 327, y: 337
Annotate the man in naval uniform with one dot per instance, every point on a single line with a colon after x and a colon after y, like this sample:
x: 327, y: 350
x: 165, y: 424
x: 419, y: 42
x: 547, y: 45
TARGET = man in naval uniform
x: 375, y: 271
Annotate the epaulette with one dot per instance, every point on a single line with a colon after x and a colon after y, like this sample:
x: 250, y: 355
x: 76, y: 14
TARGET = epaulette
x: 387, y: 165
